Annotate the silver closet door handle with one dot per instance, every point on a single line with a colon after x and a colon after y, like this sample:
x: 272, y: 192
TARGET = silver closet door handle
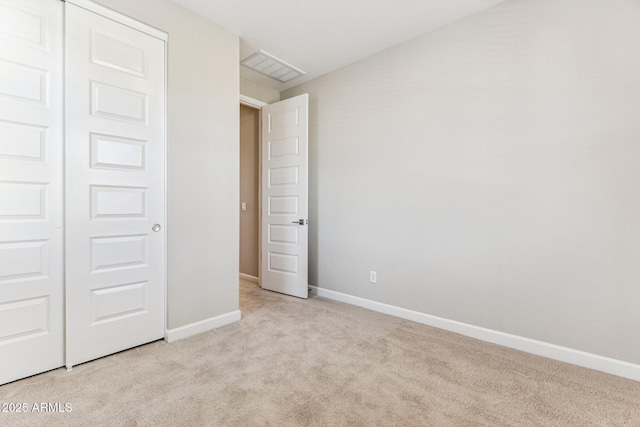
x: 156, y: 227
x: 300, y: 221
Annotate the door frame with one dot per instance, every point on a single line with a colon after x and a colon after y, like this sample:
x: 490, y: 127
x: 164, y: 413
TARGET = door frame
x: 164, y: 37
x: 257, y: 105
x: 123, y: 19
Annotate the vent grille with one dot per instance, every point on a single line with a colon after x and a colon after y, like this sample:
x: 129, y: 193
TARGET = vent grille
x: 271, y: 66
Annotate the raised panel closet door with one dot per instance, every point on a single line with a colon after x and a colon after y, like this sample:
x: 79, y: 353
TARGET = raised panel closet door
x: 115, y: 102
x: 31, y: 273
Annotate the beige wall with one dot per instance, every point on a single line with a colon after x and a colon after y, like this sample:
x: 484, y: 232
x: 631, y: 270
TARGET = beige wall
x: 249, y: 128
x: 257, y: 91
x: 489, y: 172
x: 202, y: 133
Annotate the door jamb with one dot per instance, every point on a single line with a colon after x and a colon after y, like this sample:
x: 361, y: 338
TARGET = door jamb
x: 252, y: 102
x: 121, y: 18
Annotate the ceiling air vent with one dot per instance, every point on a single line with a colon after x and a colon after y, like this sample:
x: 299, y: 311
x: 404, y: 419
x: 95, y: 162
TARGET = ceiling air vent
x: 271, y: 66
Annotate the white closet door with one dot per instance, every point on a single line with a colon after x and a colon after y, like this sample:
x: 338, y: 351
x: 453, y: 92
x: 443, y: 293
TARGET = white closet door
x: 115, y: 186
x: 31, y: 296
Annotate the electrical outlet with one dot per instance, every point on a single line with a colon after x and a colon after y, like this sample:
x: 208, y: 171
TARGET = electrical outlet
x: 373, y: 277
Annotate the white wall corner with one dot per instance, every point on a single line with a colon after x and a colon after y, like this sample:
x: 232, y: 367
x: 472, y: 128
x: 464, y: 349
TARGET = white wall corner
x: 257, y: 91
x: 539, y: 348
x: 195, y: 328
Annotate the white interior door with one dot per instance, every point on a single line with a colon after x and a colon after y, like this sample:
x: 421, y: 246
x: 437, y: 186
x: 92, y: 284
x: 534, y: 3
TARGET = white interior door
x: 115, y: 203
x: 284, y: 265
x: 31, y: 282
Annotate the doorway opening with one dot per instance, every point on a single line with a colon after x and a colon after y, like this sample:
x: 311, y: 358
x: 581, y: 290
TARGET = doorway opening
x: 273, y: 232
x: 249, y: 193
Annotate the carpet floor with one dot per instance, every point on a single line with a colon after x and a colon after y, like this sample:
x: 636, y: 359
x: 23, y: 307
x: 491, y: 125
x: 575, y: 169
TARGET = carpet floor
x: 316, y: 362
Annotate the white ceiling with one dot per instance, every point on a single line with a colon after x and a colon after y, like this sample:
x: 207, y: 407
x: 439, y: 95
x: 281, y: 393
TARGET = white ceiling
x: 319, y: 36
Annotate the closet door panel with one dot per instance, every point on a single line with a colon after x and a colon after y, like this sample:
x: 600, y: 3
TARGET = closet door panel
x: 115, y: 186
x: 31, y: 188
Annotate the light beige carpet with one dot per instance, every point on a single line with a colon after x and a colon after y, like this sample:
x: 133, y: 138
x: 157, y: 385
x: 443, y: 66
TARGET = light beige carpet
x: 292, y: 362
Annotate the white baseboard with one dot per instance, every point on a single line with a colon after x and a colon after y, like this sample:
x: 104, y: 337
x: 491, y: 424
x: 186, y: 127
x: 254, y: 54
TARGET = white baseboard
x: 540, y: 348
x: 172, y: 335
x: 249, y: 278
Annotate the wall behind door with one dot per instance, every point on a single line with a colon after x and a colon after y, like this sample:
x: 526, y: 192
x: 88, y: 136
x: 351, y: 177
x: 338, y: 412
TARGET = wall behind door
x: 257, y: 91
x: 202, y: 133
x: 249, y: 168
x: 489, y: 172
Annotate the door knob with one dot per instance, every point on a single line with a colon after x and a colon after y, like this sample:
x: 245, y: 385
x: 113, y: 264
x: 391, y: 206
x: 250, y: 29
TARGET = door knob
x: 156, y: 227
x: 300, y: 221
